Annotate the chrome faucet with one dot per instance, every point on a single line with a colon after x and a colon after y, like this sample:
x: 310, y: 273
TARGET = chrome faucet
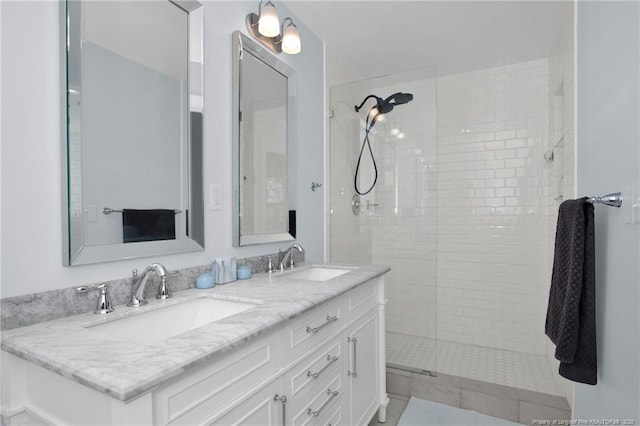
x: 137, y: 299
x: 287, y: 255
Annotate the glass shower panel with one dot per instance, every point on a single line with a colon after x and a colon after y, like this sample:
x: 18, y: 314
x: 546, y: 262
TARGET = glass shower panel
x: 395, y: 223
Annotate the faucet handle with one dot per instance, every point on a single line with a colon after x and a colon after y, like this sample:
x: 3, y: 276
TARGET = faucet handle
x: 104, y: 301
x: 269, y: 265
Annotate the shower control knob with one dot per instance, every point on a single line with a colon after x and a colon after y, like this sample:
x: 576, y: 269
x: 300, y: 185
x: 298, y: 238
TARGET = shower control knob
x: 356, y: 205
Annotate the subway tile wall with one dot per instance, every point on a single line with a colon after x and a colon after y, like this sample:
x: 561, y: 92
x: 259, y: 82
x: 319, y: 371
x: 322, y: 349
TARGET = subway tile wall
x: 348, y: 235
x: 263, y: 205
x: 463, y: 214
x: 405, y: 207
x: 493, y: 206
x: 396, y: 226
x: 74, y: 160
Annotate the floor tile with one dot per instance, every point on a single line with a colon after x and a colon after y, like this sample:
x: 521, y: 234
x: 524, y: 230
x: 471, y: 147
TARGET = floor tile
x: 436, y: 389
x: 491, y: 405
x: 528, y: 412
x: 398, y: 384
x: 543, y: 399
x: 395, y: 409
x: 508, y: 368
x: 490, y: 388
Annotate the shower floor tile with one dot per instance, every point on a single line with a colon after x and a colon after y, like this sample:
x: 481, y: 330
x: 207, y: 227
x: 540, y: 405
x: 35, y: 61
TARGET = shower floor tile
x: 509, y: 368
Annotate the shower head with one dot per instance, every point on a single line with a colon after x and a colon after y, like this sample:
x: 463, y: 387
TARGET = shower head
x: 384, y: 106
x: 375, y: 113
x: 399, y: 98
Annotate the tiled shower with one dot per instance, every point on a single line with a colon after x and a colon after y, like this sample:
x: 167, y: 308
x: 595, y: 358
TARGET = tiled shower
x: 462, y: 211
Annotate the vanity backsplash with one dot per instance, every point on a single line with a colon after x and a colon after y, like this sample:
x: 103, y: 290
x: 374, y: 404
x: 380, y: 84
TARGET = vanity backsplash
x: 33, y: 308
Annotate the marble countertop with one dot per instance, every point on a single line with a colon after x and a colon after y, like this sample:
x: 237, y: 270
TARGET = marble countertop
x: 125, y: 369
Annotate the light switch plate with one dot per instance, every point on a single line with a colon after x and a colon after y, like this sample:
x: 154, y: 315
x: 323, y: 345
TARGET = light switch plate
x: 215, y: 196
x: 635, y: 205
x: 631, y: 204
x: 92, y: 213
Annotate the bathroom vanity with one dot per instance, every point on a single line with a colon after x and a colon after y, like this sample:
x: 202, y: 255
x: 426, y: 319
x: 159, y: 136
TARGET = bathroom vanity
x: 301, y: 347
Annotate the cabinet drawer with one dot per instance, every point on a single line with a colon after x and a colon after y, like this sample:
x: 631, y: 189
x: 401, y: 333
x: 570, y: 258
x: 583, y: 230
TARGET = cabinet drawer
x: 316, y: 370
x: 258, y: 409
x: 303, y: 333
x: 312, y: 410
x: 362, y: 298
x: 203, y: 391
x: 335, y: 415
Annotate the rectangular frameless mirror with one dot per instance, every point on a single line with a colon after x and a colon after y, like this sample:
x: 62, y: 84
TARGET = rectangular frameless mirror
x: 132, y: 155
x: 264, y: 94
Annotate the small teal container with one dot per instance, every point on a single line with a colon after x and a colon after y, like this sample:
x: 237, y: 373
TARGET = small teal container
x: 243, y: 272
x: 205, y: 280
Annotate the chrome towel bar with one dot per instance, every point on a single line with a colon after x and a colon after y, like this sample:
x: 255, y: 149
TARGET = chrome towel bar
x: 614, y: 199
x: 108, y: 210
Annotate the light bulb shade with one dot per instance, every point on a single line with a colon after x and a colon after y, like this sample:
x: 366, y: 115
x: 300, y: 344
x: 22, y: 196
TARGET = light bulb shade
x: 291, y: 40
x: 269, y: 23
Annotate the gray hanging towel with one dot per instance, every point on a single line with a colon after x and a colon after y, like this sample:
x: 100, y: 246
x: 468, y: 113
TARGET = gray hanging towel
x: 148, y: 225
x: 571, y: 314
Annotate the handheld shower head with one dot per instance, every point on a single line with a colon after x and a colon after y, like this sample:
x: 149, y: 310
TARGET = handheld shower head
x: 375, y: 114
x: 384, y: 106
x: 399, y: 98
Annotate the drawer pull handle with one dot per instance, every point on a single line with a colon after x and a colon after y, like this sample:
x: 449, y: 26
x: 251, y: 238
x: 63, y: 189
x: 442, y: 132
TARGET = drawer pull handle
x: 283, y: 399
x: 353, y: 373
x: 330, y: 360
x: 317, y: 412
x: 329, y: 320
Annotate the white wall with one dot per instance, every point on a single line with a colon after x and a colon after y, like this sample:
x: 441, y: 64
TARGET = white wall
x: 561, y: 170
x: 2, y: 38
x: 31, y: 148
x: 608, y: 152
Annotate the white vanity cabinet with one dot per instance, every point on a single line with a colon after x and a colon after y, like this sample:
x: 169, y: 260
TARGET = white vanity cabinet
x: 333, y: 367
x: 323, y: 367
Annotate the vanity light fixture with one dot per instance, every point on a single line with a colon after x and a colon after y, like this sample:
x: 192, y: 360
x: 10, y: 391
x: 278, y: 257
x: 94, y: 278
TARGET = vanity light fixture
x: 265, y: 27
x: 268, y: 22
x: 290, y: 37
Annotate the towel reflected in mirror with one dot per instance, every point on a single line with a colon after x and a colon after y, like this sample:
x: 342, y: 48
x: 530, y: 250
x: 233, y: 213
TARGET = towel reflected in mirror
x: 148, y: 225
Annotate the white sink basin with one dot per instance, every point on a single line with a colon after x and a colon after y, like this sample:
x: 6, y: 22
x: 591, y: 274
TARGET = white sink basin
x: 316, y: 273
x: 159, y: 324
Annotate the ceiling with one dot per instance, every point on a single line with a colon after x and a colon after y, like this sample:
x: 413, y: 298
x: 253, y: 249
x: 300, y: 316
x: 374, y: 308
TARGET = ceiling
x: 375, y: 38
